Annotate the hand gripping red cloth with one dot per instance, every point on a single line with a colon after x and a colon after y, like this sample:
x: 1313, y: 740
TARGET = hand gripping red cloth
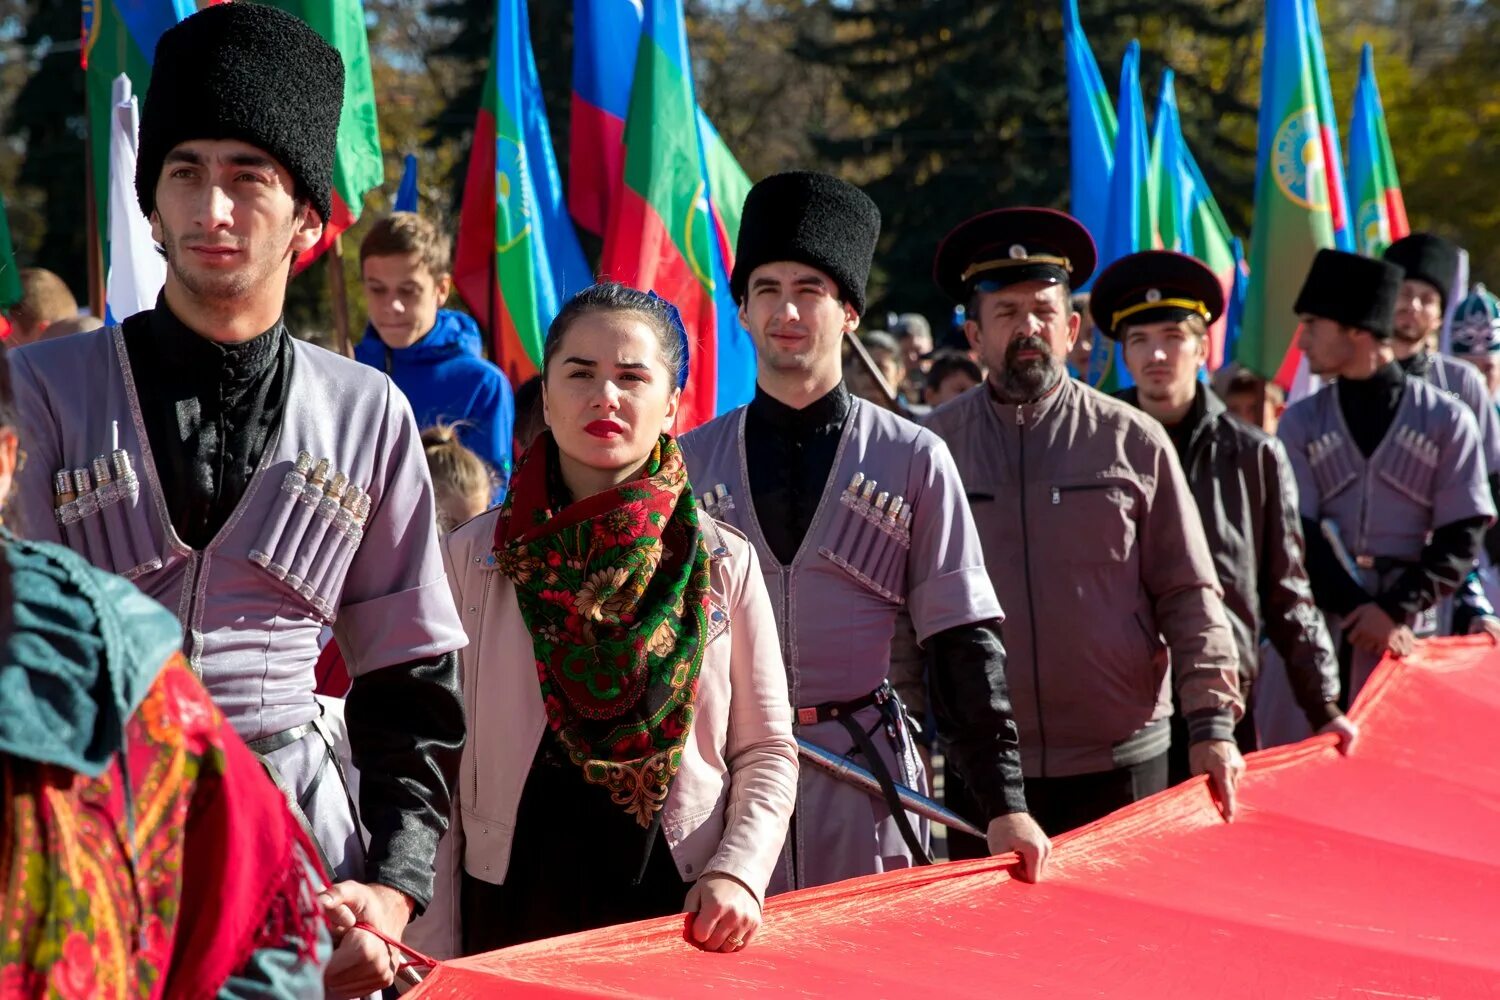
x: 1372, y: 875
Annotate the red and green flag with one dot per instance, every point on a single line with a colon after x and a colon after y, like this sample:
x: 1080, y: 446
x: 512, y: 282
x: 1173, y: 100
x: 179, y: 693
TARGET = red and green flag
x: 1375, y: 188
x: 1294, y: 193
x: 663, y: 234
x: 120, y: 36
x: 518, y: 257
x: 1188, y: 218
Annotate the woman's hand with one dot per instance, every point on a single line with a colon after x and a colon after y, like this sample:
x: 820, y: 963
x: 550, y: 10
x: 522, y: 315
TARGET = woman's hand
x: 727, y: 913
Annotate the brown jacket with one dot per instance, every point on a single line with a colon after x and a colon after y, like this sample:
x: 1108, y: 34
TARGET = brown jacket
x: 1097, y: 553
x: 732, y: 797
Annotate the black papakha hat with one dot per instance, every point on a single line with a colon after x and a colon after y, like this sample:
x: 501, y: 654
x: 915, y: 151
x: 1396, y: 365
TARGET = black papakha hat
x: 1427, y: 257
x: 1352, y: 290
x: 1007, y: 246
x: 812, y: 219
x: 249, y: 72
x: 1151, y: 287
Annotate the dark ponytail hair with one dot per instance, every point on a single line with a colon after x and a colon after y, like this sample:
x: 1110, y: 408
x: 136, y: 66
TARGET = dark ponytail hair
x: 611, y: 296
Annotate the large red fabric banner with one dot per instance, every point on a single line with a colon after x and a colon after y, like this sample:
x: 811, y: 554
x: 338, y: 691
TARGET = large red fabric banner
x: 1374, y: 875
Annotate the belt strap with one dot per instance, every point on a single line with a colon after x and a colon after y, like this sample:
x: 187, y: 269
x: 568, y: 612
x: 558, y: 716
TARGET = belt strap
x: 887, y: 788
x: 830, y: 710
x: 277, y: 741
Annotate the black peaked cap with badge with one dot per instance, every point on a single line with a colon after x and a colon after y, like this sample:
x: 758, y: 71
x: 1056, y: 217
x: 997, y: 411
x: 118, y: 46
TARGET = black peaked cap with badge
x: 1007, y: 246
x: 1154, y: 286
x: 813, y: 219
x: 1427, y: 257
x: 252, y: 73
x: 1353, y: 291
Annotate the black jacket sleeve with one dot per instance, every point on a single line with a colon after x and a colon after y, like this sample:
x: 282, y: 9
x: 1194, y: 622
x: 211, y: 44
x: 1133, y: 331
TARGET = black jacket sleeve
x: 1446, y: 559
x: 1292, y: 621
x: 406, y: 730
x: 1470, y: 603
x: 1333, y: 588
x: 1492, y: 535
x: 972, y: 709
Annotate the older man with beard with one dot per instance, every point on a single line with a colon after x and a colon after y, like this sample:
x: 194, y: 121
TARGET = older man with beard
x: 1090, y: 535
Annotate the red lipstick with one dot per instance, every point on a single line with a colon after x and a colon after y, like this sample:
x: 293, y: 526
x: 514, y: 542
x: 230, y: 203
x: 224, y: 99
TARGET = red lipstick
x: 605, y: 428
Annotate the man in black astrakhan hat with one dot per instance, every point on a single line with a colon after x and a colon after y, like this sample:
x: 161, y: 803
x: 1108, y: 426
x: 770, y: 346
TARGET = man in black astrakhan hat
x: 1389, y: 472
x: 1159, y: 305
x: 856, y: 515
x: 1090, y: 535
x: 261, y: 487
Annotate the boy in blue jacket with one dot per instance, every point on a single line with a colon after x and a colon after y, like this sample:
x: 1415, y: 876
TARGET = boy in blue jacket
x: 434, y: 355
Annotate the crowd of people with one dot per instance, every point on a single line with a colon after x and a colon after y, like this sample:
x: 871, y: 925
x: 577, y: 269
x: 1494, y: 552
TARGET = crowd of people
x: 444, y: 668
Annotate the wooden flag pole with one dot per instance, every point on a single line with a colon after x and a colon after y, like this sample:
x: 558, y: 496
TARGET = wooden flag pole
x: 869, y: 362
x: 95, y: 242
x: 340, y: 296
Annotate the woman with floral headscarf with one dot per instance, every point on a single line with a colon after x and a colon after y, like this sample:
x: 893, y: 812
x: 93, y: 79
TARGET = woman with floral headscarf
x: 630, y: 747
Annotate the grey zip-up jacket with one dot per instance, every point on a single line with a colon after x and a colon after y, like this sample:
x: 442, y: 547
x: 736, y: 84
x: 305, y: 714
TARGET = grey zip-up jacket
x: 1097, y: 553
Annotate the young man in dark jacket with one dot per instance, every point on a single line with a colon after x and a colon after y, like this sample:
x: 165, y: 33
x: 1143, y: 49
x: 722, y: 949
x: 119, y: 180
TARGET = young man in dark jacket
x: 1159, y: 305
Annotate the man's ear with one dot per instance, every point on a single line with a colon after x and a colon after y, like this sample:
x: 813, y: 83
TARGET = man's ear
x: 309, y: 230
x: 444, y: 288
x: 851, y: 318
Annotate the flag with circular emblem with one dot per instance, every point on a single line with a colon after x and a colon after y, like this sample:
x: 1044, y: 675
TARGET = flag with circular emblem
x: 1295, y: 192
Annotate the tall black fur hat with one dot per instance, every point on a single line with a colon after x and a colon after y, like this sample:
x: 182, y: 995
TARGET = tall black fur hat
x: 249, y: 72
x: 813, y: 219
x: 1356, y: 291
x: 1429, y: 258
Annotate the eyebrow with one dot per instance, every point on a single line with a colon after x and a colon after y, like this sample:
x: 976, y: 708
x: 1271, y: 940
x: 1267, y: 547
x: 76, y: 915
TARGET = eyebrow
x: 587, y: 363
x: 238, y: 159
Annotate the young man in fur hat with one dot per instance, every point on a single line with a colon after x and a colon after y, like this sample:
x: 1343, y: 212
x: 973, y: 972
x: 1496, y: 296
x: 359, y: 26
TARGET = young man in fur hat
x: 1390, y: 474
x: 856, y: 514
x: 1159, y: 305
x: 1090, y: 536
x: 1430, y: 264
x: 261, y: 487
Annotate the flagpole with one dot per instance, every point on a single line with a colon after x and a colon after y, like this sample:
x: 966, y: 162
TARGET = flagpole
x: 95, y: 245
x: 340, y: 296
x: 886, y: 388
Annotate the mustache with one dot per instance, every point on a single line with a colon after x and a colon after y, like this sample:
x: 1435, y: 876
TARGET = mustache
x: 1027, y: 343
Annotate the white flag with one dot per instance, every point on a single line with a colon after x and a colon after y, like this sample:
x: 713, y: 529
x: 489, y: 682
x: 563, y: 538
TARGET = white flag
x: 136, y: 270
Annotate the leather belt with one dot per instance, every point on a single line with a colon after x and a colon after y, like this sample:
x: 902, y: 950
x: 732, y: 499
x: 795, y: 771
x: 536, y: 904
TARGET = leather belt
x: 276, y: 741
x: 830, y: 710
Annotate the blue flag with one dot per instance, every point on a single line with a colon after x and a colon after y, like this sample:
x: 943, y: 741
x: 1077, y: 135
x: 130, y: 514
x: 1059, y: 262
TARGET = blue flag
x: 406, y: 194
x: 1129, y: 225
x: 1091, y: 129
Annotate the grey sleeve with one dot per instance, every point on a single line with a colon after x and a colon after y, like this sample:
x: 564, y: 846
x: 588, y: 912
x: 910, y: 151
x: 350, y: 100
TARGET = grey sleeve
x: 1461, y: 488
x: 396, y: 605
x: 947, y: 583
x: 41, y: 444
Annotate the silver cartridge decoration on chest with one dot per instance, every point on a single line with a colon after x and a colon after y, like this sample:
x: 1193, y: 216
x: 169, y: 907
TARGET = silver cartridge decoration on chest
x: 718, y: 503
x: 306, y: 537
x: 99, y: 514
x: 872, y: 537
x: 351, y: 532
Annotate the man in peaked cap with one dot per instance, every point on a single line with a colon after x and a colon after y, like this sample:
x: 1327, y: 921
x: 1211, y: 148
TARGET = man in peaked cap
x: 262, y: 487
x: 1159, y: 305
x: 857, y: 515
x: 1390, y: 478
x: 1090, y: 535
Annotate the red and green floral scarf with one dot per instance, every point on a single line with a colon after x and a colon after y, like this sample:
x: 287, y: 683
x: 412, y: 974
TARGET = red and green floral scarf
x: 614, y: 590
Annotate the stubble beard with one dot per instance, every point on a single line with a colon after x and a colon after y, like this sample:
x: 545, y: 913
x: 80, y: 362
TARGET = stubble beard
x: 262, y: 263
